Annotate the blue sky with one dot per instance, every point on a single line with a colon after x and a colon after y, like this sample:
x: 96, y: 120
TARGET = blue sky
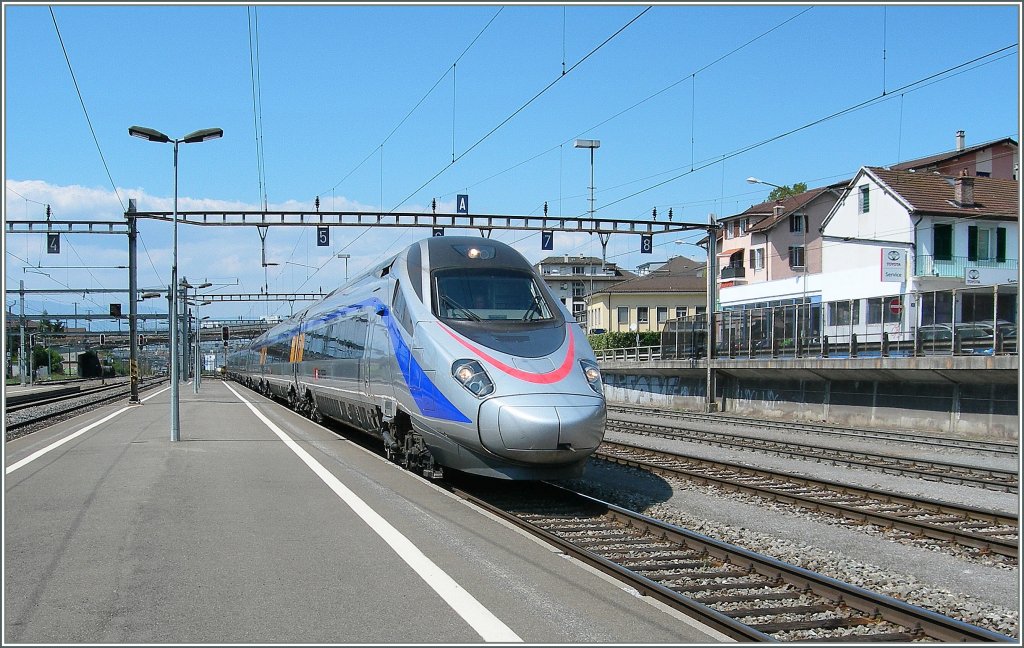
x: 337, y: 81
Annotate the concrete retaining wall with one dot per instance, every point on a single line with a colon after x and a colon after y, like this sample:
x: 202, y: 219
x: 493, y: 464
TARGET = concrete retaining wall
x: 975, y: 410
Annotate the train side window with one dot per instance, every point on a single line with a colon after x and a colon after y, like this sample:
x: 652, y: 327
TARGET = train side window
x: 400, y: 310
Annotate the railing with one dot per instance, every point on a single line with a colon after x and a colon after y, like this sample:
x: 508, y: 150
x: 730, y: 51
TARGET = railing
x: 930, y: 265
x: 630, y: 353
x: 916, y: 324
x: 734, y: 272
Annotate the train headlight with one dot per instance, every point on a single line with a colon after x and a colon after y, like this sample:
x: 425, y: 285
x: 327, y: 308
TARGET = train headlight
x: 593, y: 374
x: 473, y: 377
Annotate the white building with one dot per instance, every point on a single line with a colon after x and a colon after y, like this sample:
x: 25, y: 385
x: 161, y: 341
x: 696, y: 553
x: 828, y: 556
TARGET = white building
x: 902, y: 233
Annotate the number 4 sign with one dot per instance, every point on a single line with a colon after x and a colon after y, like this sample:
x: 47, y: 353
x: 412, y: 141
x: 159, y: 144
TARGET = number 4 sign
x: 53, y: 243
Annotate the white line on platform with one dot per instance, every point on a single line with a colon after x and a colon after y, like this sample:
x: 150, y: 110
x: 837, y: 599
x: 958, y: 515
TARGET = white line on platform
x: 39, y: 453
x: 465, y: 605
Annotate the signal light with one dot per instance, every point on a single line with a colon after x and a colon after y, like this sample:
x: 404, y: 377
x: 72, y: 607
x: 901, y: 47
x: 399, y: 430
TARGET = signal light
x: 224, y: 333
x: 103, y: 339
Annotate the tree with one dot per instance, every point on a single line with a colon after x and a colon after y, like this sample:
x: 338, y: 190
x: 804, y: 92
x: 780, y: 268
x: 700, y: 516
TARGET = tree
x: 43, y: 357
x: 785, y: 191
x: 50, y: 326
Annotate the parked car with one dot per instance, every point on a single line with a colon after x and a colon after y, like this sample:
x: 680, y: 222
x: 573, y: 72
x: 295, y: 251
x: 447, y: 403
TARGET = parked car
x: 975, y: 337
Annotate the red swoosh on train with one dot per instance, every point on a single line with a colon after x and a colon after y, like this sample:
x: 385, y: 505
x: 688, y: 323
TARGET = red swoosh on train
x: 540, y: 378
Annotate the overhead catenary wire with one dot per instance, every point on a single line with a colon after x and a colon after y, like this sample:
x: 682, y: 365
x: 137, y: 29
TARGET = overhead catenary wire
x: 910, y: 87
x: 257, y: 100
x: 449, y: 69
x: 523, y: 107
x: 641, y: 102
x: 85, y: 110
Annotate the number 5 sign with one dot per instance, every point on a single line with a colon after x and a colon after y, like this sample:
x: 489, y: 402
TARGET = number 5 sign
x: 323, y: 236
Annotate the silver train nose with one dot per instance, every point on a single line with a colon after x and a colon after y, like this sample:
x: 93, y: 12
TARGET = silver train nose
x: 547, y: 428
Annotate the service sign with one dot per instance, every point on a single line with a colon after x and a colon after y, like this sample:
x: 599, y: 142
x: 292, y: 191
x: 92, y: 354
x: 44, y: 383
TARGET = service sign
x: 989, y: 276
x: 893, y: 264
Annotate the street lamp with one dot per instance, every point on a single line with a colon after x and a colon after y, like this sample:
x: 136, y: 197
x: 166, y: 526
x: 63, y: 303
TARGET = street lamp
x: 803, y: 300
x: 592, y: 144
x: 589, y: 144
x: 346, y: 257
x: 753, y: 180
x: 186, y: 286
x: 192, y: 138
x: 199, y: 351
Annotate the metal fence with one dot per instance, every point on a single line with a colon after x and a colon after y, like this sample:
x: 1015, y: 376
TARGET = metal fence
x: 967, y: 321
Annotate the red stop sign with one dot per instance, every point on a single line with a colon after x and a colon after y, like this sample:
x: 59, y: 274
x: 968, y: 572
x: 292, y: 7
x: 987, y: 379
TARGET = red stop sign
x: 895, y: 307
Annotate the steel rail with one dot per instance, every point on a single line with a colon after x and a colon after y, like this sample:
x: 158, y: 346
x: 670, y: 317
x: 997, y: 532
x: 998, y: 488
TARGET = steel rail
x: 25, y: 401
x: 996, y: 447
x: 898, y: 516
x: 967, y: 474
x: 628, y: 545
x: 44, y: 417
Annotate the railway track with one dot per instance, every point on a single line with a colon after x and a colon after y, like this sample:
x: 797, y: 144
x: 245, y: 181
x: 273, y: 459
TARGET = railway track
x: 990, y: 531
x: 996, y: 448
x: 24, y: 423
x: 965, y: 474
x: 747, y: 596
x: 25, y: 401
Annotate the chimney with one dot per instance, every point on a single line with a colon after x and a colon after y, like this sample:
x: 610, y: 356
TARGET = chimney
x: 778, y: 209
x: 963, y: 191
x: 959, y: 140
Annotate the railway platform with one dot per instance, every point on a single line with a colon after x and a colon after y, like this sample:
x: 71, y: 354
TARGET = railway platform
x: 259, y: 526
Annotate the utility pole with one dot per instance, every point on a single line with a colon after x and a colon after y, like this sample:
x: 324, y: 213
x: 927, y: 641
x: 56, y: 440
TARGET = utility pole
x: 711, y: 405
x: 133, y: 306
x: 21, y: 348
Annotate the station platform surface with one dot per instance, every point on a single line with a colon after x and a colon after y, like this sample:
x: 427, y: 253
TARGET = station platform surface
x: 260, y: 526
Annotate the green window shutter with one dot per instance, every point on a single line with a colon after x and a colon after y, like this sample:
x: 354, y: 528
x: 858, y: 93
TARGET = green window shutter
x: 972, y: 243
x: 1001, y: 244
x: 943, y: 242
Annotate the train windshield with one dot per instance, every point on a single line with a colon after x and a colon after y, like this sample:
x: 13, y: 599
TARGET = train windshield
x: 488, y: 294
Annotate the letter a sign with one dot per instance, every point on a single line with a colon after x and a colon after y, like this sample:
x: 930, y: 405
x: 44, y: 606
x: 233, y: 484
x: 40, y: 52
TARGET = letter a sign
x: 462, y: 204
x: 53, y: 243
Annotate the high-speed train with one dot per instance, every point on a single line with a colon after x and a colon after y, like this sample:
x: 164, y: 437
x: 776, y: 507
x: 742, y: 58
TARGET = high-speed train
x: 454, y: 353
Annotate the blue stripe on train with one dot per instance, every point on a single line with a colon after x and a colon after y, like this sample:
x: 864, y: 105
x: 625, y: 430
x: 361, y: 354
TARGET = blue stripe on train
x: 428, y: 397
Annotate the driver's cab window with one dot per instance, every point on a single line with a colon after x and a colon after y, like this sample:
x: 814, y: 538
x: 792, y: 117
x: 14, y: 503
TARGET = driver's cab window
x: 491, y: 294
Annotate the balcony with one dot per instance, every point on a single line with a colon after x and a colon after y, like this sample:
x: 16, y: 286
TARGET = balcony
x: 929, y: 266
x: 734, y: 272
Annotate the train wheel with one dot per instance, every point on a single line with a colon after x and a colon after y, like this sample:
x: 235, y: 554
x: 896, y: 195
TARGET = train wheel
x: 310, y: 409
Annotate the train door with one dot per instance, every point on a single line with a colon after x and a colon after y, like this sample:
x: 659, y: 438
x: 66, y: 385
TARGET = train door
x: 376, y: 372
x: 298, y: 347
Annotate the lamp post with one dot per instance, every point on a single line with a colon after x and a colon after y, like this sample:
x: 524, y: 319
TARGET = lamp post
x: 199, y: 351
x: 803, y: 299
x: 142, y: 297
x: 192, y: 138
x: 346, y: 257
x: 591, y: 144
x: 186, y: 286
